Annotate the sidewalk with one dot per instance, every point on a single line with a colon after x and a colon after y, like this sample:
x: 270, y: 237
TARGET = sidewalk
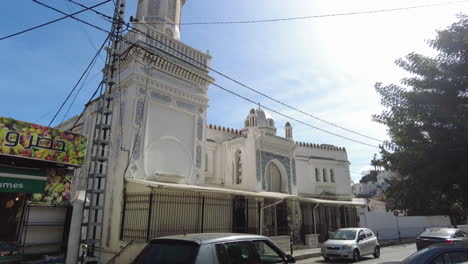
x: 307, y: 253
x: 301, y: 254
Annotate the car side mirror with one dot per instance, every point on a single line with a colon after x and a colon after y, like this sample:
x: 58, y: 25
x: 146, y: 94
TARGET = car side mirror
x: 290, y: 259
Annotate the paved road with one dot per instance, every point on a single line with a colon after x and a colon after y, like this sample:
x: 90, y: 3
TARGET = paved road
x: 393, y: 253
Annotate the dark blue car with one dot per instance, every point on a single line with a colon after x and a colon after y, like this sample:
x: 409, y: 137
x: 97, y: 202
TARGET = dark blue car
x: 438, y: 254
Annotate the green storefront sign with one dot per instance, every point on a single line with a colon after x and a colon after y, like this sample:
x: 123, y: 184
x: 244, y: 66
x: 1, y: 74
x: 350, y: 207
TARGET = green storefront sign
x: 22, y: 180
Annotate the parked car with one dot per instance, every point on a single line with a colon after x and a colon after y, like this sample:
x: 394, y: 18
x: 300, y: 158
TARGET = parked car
x: 440, y: 235
x: 438, y: 254
x: 212, y: 248
x: 351, y: 243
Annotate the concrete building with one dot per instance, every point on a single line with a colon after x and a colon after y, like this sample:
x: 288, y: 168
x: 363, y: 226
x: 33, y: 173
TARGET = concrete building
x: 372, y: 184
x: 172, y: 173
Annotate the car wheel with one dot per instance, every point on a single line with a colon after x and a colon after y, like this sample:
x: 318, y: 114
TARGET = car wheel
x: 356, y: 255
x: 377, y: 252
x: 326, y: 258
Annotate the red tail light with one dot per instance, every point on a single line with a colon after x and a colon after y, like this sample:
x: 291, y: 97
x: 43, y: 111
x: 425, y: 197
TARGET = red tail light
x: 418, y: 240
x: 449, y: 241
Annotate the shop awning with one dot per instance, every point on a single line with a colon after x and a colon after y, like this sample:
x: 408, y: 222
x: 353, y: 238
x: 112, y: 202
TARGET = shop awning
x: 353, y: 202
x: 268, y: 195
x: 22, y: 180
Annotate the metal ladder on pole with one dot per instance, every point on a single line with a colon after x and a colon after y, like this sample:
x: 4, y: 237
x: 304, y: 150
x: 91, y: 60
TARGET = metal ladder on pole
x: 94, y: 204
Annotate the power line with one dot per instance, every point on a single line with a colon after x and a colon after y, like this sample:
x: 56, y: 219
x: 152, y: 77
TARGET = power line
x: 241, y: 96
x: 78, y: 92
x: 89, y: 101
x: 309, y: 17
x: 79, y: 80
x: 86, y: 33
x: 238, y: 82
x: 53, y: 21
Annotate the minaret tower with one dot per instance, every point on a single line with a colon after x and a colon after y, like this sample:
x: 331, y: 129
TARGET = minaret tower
x: 163, y: 15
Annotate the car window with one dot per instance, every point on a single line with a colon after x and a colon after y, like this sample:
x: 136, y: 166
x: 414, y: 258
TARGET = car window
x: 174, y: 252
x: 415, y: 255
x: 267, y: 253
x: 442, y: 259
x: 459, y: 234
x: 242, y: 252
x: 458, y: 257
x: 221, y: 253
x: 437, y: 232
x: 368, y: 233
x: 361, y: 235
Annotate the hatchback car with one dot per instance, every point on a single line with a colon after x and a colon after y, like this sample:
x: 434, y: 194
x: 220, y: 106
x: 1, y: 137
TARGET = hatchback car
x: 440, y: 235
x: 351, y: 243
x: 212, y: 248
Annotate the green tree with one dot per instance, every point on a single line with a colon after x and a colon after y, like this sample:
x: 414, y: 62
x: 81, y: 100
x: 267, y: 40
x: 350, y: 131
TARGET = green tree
x: 427, y: 120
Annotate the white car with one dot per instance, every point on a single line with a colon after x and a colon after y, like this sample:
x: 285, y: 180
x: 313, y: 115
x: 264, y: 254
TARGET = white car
x: 351, y: 243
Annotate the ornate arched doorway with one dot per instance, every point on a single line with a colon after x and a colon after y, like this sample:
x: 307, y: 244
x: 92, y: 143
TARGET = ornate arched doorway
x: 273, y: 178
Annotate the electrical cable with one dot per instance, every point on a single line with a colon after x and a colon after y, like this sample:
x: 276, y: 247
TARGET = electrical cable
x: 79, y: 80
x: 238, y: 82
x: 86, y: 33
x: 53, y: 21
x: 309, y: 17
x: 130, y: 154
x: 241, y: 96
x: 77, y: 93
x: 89, y: 101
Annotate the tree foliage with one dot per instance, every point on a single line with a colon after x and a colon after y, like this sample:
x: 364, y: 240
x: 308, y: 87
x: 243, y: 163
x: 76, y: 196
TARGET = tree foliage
x: 427, y: 120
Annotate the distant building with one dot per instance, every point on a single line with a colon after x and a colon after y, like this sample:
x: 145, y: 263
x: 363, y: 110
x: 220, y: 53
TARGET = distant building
x: 372, y: 184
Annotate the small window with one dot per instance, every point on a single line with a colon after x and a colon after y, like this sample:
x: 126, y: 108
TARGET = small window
x: 206, y: 162
x: 317, y: 176
x: 325, y: 175
x: 361, y: 235
x: 458, y: 257
x: 267, y: 253
x: 221, y: 253
x: 242, y: 252
x: 368, y: 233
x: 332, y: 175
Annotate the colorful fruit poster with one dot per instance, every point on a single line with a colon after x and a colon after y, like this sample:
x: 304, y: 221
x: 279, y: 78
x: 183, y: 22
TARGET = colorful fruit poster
x: 26, y: 140
x: 57, y: 189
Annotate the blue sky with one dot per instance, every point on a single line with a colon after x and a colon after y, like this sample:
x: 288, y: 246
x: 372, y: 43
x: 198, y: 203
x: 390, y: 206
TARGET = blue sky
x: 326, y: 67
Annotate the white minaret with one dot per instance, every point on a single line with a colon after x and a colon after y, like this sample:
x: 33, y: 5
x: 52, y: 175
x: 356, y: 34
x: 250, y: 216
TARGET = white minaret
x: 163, y: 15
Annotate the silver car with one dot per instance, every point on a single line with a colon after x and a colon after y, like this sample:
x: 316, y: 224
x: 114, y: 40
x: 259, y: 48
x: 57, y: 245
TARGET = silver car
x: 351, y: 243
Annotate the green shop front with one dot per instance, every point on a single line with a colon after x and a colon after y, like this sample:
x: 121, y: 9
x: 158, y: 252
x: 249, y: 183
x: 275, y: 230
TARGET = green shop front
x: 36, y: 172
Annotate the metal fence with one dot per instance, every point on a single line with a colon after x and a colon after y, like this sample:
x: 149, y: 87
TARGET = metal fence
x: 162, y: 213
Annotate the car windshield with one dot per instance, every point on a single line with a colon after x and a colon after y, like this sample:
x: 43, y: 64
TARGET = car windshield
x: 168, y: 252
x: 344, y: 235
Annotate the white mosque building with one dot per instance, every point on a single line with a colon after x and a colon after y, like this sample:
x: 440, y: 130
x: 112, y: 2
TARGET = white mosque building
x: 172, y: 173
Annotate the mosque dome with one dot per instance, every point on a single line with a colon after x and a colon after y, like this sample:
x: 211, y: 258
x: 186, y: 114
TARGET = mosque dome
x: 259, y: 118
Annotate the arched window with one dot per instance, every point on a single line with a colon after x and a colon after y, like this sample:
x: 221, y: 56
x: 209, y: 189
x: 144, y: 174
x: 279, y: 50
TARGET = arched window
x: 325, y: 175
x: 238, y: 167
x: 317, y: 176
x: 332, y: 175
x: 273, y: 178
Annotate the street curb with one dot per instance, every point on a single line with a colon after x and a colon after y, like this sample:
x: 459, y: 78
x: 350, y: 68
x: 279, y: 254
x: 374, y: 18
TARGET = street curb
x: 318, y: 254
x: 307, y: 256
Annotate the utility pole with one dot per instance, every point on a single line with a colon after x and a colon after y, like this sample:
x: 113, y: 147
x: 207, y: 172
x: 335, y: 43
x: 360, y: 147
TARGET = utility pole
x: 97, y: 173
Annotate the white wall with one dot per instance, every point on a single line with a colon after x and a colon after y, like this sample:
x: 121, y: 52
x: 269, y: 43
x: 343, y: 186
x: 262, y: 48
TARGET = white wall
x: 385, y: 226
